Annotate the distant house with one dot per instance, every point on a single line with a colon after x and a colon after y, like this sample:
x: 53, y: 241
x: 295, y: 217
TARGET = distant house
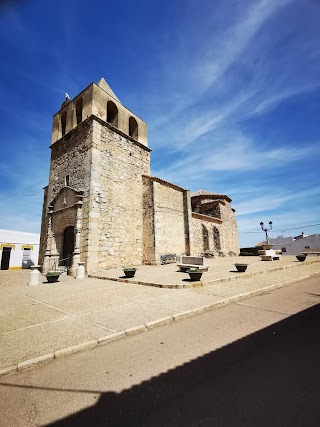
x: 18, y: 249
x: 296, y: 245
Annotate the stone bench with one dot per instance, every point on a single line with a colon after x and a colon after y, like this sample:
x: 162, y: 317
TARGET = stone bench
x: 270, y: 255
x: 196, y: 262
x: 311, y: 252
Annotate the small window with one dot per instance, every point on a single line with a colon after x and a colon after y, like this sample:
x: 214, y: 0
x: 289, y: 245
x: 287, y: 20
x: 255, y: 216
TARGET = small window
x: 79, y: 108
x: 133, y: 128
x: 67, y: 181
x: 63, y: 123
x: 307, y: 247
x: 26, y: 254
x: 283, y: 249
x: 112, y: 114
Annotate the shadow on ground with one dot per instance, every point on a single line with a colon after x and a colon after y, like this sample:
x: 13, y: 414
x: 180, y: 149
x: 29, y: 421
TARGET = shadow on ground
x: 270, y: 378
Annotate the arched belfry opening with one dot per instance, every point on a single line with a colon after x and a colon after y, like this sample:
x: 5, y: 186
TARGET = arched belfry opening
x: 133, y: 128
x: 79, y: 108
x: 68, y: 245
x: 63, y: 123
x: 112, y: 113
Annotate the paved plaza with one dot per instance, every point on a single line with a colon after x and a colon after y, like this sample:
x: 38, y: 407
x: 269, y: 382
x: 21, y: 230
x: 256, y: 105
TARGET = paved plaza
x: 48, y: 321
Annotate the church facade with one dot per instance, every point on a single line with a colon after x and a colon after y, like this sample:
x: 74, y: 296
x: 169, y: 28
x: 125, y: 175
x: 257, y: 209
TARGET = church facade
x: 102, y: 207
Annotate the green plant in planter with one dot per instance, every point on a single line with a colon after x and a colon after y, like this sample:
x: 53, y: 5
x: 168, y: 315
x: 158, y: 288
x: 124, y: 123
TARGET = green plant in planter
x: 52, y: 276
x: 241, y: 267
x: 194, y: 274
x: 301, y: 257
x: 129, y: 271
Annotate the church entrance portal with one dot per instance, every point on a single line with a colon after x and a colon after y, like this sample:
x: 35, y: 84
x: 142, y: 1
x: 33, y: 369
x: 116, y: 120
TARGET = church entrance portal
x: 68, y: 245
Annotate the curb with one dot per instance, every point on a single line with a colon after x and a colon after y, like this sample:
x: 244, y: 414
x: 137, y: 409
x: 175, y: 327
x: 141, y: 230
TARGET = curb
x: 135, y: 330
x: 159, y: 322
x: 112, y: 337
x: 35, y: 361
x: 75, y: 348
x: 46, y: 358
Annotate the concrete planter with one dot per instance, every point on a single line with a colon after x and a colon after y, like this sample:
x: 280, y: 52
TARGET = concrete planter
x: 129, y: 272
x: 301, y: 257
x: 52, y: 276
x: 241, y: 267
x: 195, y: 275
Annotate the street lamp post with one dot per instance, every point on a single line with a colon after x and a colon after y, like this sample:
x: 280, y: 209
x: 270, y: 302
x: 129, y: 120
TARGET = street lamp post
x: 266, y: 230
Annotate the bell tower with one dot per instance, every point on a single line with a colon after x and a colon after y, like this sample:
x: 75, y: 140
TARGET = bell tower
x: 99, y: 153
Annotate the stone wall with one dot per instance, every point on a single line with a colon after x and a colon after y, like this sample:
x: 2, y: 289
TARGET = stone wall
x: 71, y: 156
x: 115, y: 217
x: 148, y: 222
x: 229, y: 231
x: 209, y: 208
x: 206, y: 234
x: 166, y: 229
x: 215, y: 234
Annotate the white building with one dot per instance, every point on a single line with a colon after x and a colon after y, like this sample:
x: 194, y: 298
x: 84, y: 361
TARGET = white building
x: 18, y: 249
x: 296, y: 245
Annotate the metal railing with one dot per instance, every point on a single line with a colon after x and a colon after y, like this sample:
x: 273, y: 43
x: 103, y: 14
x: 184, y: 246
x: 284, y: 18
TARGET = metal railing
x: 62, y: 265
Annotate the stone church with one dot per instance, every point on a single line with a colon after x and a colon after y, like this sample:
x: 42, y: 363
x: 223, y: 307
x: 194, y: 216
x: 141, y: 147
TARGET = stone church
x: 102, y: 207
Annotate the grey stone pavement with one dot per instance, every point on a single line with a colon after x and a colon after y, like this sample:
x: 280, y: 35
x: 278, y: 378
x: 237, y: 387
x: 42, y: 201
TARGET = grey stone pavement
x: 40, y: 323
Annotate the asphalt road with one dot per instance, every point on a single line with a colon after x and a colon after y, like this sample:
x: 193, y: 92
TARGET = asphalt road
x: 255, y: 363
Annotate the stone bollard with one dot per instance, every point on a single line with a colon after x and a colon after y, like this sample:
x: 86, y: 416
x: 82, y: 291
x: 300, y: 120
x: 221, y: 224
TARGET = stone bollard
x: 81, y: 273
x: 34, y: 276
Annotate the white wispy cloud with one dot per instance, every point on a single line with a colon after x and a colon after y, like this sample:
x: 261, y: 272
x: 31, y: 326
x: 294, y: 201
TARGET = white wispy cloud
x: 199, y: 58
x: 232, y: 42
x: 232, y: 152
x: 272, y: 199
x: 241, y: 71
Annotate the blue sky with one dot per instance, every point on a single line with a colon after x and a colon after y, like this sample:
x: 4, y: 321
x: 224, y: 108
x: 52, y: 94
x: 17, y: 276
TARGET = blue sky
x: 230, y: 91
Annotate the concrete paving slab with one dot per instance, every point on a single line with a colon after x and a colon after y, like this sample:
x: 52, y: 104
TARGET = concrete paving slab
x: 14, y: 278
x: 32, y: 314
x: 32, y: 342
x: 138, y: 293
x: 231, y: 288
x: 89, y: 302
x: 184, y: 299
x: 109, y: 287
x: 127, y: 315
x: 8, y: 299
x: 49, y: 293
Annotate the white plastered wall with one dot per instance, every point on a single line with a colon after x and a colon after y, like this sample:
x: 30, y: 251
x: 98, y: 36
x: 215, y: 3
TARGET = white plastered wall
x: 18, y: 240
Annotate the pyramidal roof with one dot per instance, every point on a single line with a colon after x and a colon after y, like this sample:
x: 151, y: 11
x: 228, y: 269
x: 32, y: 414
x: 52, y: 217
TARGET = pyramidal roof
x: 104, y: 85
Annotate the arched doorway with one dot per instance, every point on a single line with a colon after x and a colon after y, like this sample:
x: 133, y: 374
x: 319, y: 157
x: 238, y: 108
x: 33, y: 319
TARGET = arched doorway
x: 68, y: 245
